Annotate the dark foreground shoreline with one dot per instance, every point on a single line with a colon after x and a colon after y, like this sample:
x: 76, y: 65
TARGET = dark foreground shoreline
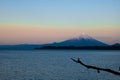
x: 79, y: 48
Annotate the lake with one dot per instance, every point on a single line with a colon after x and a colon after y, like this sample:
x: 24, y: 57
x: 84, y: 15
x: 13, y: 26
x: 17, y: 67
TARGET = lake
x: 57, y: 65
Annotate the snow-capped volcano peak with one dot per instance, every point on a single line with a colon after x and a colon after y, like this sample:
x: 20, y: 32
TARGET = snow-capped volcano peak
x: 83, y: 40
x: 85, y: 36
x: 81, y: 37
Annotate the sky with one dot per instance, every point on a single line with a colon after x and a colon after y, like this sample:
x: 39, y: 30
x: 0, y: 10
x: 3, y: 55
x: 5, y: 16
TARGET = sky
x: 46, y: 21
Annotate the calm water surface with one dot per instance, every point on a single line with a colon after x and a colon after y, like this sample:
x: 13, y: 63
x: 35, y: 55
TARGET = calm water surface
x: 57, y: 65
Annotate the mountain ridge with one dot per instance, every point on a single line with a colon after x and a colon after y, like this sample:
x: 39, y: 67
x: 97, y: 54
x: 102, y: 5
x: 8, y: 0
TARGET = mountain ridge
x: 82, y: 41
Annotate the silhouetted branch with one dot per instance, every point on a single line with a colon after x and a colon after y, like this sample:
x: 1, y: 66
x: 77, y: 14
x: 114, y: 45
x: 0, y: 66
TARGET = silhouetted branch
x: 96, y: 68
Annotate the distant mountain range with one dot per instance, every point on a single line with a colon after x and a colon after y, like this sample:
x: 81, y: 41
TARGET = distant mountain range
x: 82, y: 41
x: 116, y: 45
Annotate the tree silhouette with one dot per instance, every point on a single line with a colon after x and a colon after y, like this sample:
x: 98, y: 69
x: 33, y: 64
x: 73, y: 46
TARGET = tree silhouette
x: 96, y: 68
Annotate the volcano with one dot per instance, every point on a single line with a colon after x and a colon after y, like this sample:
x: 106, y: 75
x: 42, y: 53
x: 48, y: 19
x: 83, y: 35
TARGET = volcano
x: 83, y: 40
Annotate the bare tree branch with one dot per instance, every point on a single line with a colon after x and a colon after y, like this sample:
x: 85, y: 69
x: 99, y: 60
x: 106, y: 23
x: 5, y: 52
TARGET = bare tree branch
x: 96, y: 68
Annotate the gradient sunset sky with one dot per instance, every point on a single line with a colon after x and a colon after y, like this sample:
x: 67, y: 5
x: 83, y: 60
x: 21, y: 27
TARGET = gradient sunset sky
x: 46, y: 21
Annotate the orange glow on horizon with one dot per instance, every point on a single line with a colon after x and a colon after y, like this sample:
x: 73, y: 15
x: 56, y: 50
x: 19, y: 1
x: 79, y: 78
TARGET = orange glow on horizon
x: 38, y: 34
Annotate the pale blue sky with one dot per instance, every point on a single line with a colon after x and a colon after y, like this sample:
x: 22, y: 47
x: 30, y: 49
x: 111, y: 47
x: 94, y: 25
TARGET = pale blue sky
x: 60, y: 11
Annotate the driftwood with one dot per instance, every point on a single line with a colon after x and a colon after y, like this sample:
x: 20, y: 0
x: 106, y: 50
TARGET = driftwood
x: 96, y: 68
